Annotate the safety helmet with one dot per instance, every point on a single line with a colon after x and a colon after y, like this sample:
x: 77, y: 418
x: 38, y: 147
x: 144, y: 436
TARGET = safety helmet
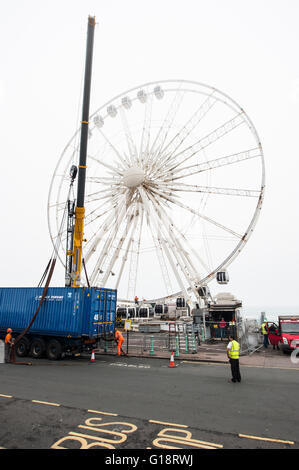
x: 9, y: 330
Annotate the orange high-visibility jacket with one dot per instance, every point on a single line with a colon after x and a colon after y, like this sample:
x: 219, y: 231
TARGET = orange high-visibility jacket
x: 7, y: 338
x: 118, y: 336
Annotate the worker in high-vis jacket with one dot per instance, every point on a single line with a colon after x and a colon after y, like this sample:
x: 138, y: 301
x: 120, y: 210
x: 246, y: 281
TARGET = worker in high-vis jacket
x: 265, y: 333
x: 8, y: 343
x: 119, y: 340
x: 233, y: 351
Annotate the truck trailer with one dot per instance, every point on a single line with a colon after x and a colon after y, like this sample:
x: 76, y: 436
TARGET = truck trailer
x: 71, y: 320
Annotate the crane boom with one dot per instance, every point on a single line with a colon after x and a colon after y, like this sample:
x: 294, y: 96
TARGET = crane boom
x: 79, y: 210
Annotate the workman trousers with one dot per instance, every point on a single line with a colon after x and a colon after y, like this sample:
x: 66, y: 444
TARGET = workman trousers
x: 7, y: 353
x: 266, y: 341
x: 235, y: 368
x: 119, y: 345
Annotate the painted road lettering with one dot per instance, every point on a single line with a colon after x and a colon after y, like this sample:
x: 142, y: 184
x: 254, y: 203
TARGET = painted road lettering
x: 174, y: 438
x: 107, y: 434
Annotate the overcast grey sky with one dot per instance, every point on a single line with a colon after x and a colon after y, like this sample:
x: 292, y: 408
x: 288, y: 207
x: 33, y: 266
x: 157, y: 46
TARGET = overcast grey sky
x: 247, y: 49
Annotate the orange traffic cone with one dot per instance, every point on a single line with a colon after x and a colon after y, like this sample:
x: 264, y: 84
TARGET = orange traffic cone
x: 171, y: 364
x: 92, y: 359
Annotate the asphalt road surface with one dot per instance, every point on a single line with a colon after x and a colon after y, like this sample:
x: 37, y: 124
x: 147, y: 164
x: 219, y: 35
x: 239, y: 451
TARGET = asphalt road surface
x: 142, y: 403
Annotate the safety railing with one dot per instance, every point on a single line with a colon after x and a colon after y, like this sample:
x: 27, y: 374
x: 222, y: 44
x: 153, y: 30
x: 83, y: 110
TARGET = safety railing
x: 182, y: 342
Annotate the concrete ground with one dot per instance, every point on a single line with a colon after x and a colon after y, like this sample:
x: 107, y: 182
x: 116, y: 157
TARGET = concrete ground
x: 216, y: 352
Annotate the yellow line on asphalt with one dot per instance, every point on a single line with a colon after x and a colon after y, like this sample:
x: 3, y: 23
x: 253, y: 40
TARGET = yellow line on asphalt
x: 242, y: 365
x: 5, y: 396
x: 266, y: 439
x: 167, y: 424
x: 102, y: 413
x: 45, y: 403
x: 271, y: 367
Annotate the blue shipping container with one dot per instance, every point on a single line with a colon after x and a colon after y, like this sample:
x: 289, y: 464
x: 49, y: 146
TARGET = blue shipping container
x: 66, y: 311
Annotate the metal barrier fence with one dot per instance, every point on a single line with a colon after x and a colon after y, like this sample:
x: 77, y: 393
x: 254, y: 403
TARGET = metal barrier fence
x: 146, y: 343
x: 185, y: 338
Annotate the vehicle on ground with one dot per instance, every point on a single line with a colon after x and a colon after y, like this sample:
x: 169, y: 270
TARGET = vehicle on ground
x: 285, y: 334
x: 70, y: 320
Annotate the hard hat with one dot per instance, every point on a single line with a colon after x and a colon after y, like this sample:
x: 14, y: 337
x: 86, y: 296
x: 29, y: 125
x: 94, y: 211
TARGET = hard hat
x: 9, y: 330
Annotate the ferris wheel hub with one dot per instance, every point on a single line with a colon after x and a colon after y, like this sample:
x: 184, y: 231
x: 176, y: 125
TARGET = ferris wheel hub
x: 133, y: 177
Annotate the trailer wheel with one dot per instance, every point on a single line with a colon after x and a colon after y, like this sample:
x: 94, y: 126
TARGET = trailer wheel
x: 22, y: 347
x: 37, y: 348
x: 54, y: 350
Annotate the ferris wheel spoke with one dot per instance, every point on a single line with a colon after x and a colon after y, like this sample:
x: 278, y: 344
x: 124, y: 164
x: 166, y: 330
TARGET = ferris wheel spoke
x: 208, y: 140
x: 106, y: 165
x: 103, y: 180
x: 165, y: 127
x: 175, y: 247
x: 146, y: 134
x: 114, y: 255
x: 89, y: 217
x: 161, y: 259
x: 114, y: 218
x: 90, y: 220
x: 103, y: 194
x: 211, y: 221
x: 189, y: 248
x: 198, y: 214
x: 170, y: 260
x: 135, y: 252
x: 103, y: 255
x: 124, y: 162
x: 109, y: 198
x: 123, y: 263
x: 167, y: 122
x: 213, y: 190
x: 151, y: 219
x: 133, y: 154
x: 171, y: 148
x: 215, y: 163
x: 188, y: 267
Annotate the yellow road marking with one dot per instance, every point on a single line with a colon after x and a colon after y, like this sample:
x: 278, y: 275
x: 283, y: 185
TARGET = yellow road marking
x: 243, y: 365
x: 45, y: 403
x: 102, y: 413
x: 167, y: 424
x: 266, y: 439
x: 5, y: 396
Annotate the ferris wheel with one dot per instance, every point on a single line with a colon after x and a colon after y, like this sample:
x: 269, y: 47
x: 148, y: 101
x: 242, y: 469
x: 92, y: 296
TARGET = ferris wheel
x: 174, y: 187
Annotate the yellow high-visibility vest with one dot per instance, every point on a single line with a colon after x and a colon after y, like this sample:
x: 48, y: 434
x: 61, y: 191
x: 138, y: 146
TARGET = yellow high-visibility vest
x: 233, y: 352
x: 264, y: 329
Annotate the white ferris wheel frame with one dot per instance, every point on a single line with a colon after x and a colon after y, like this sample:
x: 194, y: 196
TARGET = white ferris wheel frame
x: 241, y: 115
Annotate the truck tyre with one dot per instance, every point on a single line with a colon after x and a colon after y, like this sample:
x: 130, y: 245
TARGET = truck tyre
x: 54, y: 350
x: 22, y: 347
x: 37, y: 348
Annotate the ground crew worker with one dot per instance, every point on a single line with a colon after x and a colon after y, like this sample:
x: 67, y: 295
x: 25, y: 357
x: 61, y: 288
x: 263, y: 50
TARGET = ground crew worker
x: 8, y: 344
x: 265, y: 333
x: 233, y: 349
x: 222, y: 325
x: 119, y: 340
